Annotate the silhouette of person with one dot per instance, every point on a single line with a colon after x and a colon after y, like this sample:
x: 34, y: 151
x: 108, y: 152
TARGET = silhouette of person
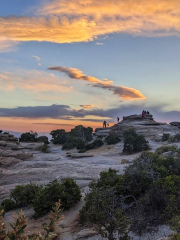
x: 104, y: 124
x: 117, y: 119
x: 143, y: 114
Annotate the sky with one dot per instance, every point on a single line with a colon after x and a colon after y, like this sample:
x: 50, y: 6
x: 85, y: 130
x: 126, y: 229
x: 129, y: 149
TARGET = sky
x: 69, y: 62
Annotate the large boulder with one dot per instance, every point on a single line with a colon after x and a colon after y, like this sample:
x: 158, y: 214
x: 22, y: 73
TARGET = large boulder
x: 138, y: 117
x: 177, y: 124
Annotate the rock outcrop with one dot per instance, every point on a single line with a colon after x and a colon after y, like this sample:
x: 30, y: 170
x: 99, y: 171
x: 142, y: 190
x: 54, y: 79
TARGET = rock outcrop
x: 151, y: 129
x: 8, y: 137
x: 177, y: 124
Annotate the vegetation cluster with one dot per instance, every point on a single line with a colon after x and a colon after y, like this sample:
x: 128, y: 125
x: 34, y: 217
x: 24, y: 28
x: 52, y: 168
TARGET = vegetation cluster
x: 43, y: 197
x: 33, y: 137
x: 144, y: 197
x: 171, y: 139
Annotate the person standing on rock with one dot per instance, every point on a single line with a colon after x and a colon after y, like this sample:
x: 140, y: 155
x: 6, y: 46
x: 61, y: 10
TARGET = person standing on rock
x: 104, y: 124
x: 143, y: 114
x: 117, y: 119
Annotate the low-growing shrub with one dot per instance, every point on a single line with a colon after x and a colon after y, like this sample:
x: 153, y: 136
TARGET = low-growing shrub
x: 134, y: 143
x: 70, y: 143
x: 23, y: 195
x: 67, y: 190
x: 80, y: 144
x: 112, y: 140
x: 43, y: 139
x: 95, y: 144
x: 82, y: 151
x: 167, y: 148
x: 174, y: 139
x: 28, y: 137
x: 165, y: 137
x: 8, y: 204
x: 44, y: 148
x: 20, y: 223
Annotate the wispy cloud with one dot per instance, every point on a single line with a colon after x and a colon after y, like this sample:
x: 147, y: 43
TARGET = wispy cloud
x: 87, y: 106
x: 36, y: 81
x: 123, y: 92
x: 98, y: 43
x: 37, y: 58
x: 69, y: 21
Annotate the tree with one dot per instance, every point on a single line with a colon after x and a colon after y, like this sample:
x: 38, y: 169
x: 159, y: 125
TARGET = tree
x: 134, y: 142
x: 83, y: 133
x: 59, y: 136
x: 29, y: 137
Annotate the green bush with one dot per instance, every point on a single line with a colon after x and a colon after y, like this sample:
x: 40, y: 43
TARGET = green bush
x: 103, y: 206
x: 167, y: 148
x: 134, y: 143
x: 0, y: 131
x: 28, y: 137
x: 8, y: 204
x: 68, y: 191
x: 95, y: 144
x: 175, y: 138
x: 112, y: 140
x: 23, y: 195
x: 80, y: 144
x: 70, y: 143
x: 44, y: 148
x: 165, y: 137
x: 82, y: 151
x: 59, y: 136
x: 82, y: 133
x: 43, y: 139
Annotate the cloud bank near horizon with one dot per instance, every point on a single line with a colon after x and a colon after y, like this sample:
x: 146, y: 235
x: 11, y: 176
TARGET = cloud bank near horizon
x: 65, y: 112
x: 70, y: 21
x: 123, y: 92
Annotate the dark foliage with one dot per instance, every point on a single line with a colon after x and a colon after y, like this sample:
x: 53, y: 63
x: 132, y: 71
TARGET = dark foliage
x: 28, y: 137
x: 0, y: 131
x: 23, y: 195
x: 175, y: 138
x: 43, y: 139
x: 134, y: 143
x: 165, y: 137
x: 68, y: 191
x: 82, y: 133
x: 8, y: 204
x: 95, y: 144
x: 112, y: 140
x: 59, y: 136
x: 82, y: 151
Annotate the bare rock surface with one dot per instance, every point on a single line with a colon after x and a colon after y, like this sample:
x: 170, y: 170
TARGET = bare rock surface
x: 17, y: 154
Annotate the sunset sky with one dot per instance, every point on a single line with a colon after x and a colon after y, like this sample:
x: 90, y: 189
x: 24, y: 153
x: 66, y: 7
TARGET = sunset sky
x: 70, y: 62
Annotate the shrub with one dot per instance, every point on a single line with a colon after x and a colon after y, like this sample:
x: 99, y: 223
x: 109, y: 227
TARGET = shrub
x: 82, y: 133
x: 23, y: 195
x: 80, y: 144
x: 68, y: 191
x: 112, y: 140
x: 167, y: 148
x: 95, y: 144
x: 82, y: 151
x: 165, y: 137
x: 28, y: 137
x: 0, y: 131
x: 175, y: 138
x: 103, y: 206
x: 70, y: 143
x: 134, y: 143
x: 59, y: 136
x: 8, y: 204
x: 44, y: 148
x: 43, y: 139
x: 20, y: 223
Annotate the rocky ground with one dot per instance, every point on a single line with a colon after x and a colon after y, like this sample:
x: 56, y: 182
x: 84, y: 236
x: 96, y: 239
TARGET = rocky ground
x: 23, y: 163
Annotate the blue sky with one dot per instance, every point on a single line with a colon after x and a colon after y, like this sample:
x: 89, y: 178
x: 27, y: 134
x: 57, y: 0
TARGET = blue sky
x: 142, y: 60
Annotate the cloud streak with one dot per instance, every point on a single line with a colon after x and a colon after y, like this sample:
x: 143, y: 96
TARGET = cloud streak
x: 35, y: 81
x: 87, y: 106
x: 123, y: 92
x: 68, y: 21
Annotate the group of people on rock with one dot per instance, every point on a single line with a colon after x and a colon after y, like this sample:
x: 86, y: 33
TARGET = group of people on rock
x: 144, y: 114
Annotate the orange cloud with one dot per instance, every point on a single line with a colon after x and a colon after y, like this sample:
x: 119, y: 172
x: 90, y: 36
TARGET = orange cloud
x: 123, y: 92
x: 36, y: 81
x: 68, y: 21
x: 87, y: 106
